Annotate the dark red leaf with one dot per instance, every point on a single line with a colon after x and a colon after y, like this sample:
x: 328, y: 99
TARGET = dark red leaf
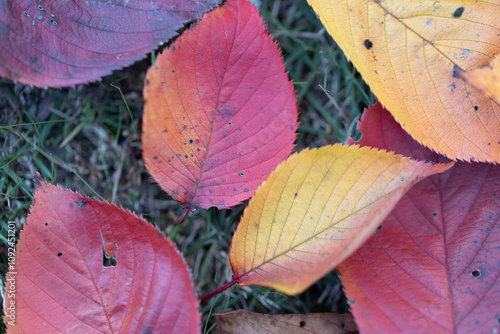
x: 87, y: 266
x: 434, y: 264
x: 220, y: 113
x: 65, y: 43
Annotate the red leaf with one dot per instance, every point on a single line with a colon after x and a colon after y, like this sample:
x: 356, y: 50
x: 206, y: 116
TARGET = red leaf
x: 434, y: 266
x: 220, y: 113
x: 65, y: 43
x: 63, y: 284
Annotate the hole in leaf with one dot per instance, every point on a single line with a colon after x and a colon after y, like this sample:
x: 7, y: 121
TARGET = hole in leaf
x: 190, y: 141
x: 240, y: 174
x: 476, y: 273
x: 379, y: 228
x: 108, y: 260
x: 458, y: 12
x: 302, y: 324
x: 26, y: 13
x: 81, y: 204
x: 368, y: 44
x: 59, y: 254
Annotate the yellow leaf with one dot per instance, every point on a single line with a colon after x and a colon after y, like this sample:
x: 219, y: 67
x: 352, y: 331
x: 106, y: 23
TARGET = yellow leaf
x: 315, y: 210
x: 411, y: 54
x: 486, y: 78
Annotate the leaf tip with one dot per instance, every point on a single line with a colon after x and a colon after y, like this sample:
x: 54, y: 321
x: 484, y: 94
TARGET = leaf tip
x: 38, y: 180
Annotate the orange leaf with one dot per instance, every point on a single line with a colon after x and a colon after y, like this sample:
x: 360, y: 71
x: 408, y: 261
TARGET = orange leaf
x: 243, y: 321
x: 315, y: 210
x: 220, y: 113
x: 486, y: 78
x: 411, y: 54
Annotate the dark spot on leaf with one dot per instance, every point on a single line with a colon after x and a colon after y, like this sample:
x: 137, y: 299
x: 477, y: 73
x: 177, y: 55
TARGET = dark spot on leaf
x: 379, y: 228
x: 34, y: 59
x: 173, y: 71
x: 475, y: 241
x: 81, y: 204
x: 476, y: 108
x: 155, y: 157
x: 109, y: 260
x: 295, y: 195
x: 186, y: 156
x: 71, y: 205
x: 302, y: 324
x: 458, y: 12
x: 433, y: 214
x: 190, y: 141
x: 245, y: 190
x: 456, y: 70
x: 368, y: 44
x: 59, y: 254
x: 46, y: 224
x: 476, y: 273
x: 198, y: 149
x: 185, y: 193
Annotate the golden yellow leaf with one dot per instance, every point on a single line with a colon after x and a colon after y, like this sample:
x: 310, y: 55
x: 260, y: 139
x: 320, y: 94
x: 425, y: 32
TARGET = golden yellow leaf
x: 486, y: 78
x: 411, y: 54
x: 315, y: 210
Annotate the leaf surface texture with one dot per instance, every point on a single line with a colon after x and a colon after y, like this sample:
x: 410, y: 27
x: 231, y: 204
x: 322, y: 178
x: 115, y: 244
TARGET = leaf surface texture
x: 245, y: 322
x: 220, y: 112
x: 434, y: 265
x: 62, y: 43
x: 66, y: 281
x: 316, y: 209
x: 411, y: 54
